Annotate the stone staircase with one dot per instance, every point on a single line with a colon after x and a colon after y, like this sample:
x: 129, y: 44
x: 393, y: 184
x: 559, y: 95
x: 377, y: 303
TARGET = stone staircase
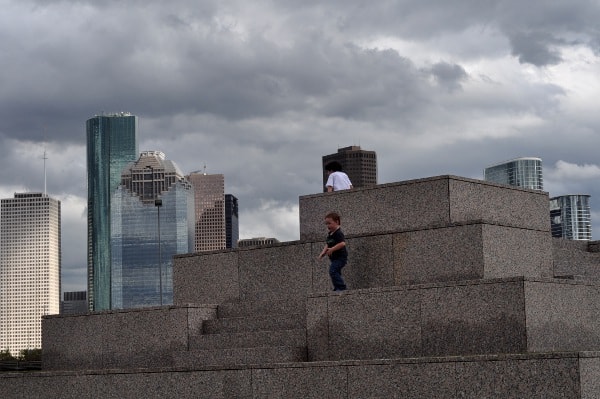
x: 453, y: 294
x: 249, y: 332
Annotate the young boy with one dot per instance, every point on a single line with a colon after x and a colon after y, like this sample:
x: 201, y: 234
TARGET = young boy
x: 335, y: 248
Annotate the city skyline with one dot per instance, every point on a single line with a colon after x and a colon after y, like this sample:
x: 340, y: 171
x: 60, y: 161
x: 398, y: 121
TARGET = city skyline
x: 260, y: 92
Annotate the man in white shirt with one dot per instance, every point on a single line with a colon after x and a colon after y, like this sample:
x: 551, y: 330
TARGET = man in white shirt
x: 337, y: 179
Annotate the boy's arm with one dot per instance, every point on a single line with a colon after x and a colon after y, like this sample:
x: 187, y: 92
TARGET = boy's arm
x: 323, y: 252
x: 336, y: 247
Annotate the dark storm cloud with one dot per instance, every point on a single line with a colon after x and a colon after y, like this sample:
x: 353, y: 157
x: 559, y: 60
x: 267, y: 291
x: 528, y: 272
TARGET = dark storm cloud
x: 448, y: 75
x: 260, y: 90
x: 534, y: 48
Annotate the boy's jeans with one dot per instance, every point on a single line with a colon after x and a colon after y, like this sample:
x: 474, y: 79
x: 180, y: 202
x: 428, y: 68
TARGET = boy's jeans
x: 335, y: 272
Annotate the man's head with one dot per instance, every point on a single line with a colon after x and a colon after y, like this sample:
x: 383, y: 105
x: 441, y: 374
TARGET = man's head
x: 333, y: 166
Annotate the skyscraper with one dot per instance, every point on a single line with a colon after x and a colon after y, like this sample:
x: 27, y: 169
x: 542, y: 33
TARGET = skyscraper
x: 232, y: 226
x: 74, y: 302
x: 520, y: 172
x: 360, y: 165
x: 111, y: 145
x: 30, y: 262
x: 570, y: 217
x: 209, y: 194
x: 152, y: 215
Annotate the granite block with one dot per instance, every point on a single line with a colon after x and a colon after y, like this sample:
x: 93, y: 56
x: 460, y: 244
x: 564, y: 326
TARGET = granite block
x: 575, y: 259
x: 206, y: 278
x: 474, y: 318
x: 372, y: 325
x: 263, y: 307
x: 222, y: 384
x: 118, y: 339
x: 589, y: 372
x: 562, y: 316
x: 370, y: 262
x: 239, y: 356
x: 281, y: 271
x: 294, y: 337
x: 443, y: 254
x: 525, y: 378
x: 511, y: 252
x: 403, y: 380
x: 388, y: 207
x: 494, y: 203
x: 317, y: 334
x: 254, y: 323
x: 64, y: 350
x: 321, y: 282
x: 300, y: 383
x: 422, y: 204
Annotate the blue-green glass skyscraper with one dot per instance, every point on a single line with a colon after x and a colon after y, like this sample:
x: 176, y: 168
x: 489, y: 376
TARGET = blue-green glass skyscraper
x: 152, y: 218
x: 112, y: 143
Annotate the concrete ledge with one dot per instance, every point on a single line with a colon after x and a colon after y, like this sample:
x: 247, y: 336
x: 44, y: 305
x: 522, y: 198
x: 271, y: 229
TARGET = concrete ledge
x: 559, y: 375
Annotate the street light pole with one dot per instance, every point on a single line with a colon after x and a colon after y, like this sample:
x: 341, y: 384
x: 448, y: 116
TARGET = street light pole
x: 158, y: 204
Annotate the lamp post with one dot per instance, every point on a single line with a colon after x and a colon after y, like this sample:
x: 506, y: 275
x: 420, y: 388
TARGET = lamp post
x: 158, y: 204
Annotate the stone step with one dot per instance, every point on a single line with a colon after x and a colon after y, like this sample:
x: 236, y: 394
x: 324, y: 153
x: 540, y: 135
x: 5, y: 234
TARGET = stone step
x: 239, y: 356
x: 255, y: 323
x: 261, y: 307
x: 294, y: 338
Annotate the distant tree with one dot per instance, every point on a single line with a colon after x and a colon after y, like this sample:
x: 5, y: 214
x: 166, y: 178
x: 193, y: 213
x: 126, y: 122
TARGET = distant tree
x: 5, y: 355
x: 30, y: 354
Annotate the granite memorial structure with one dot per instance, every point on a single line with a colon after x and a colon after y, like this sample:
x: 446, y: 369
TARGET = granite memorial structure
x: 456, y: 290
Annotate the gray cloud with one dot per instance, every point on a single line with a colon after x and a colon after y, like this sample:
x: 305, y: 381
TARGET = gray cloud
x: 260, y: 91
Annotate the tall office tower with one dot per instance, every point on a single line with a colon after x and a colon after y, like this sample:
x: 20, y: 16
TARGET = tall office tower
x: 74, y: 302
x: 359, y: 165
x: 520, y: 172
x: 111, y: 145
x: 30, y: 262
x: 152, y: 217
x: 209, y: 194
x: 570, y: 217
x: 232, y: 226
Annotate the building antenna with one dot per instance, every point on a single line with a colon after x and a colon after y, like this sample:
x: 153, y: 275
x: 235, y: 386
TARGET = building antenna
x: 45, y: 157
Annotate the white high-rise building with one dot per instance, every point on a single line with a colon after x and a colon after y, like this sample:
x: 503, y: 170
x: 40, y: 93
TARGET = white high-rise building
x: 30, y: 262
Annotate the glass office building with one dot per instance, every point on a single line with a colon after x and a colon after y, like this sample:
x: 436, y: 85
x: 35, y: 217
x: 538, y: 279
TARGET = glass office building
x: 570, y: 217
x: 520, y: 172
x: 232, y: 228
x: 152, y: 216
x: 111, y: 145
x: 30, y: 263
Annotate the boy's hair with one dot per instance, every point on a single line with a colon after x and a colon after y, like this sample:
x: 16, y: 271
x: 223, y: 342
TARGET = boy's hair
x: 334, y: 216
x: 334, y: 166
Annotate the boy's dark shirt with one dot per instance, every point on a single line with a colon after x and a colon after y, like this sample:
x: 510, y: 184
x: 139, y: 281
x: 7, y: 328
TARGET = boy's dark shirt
x: 334, y: 238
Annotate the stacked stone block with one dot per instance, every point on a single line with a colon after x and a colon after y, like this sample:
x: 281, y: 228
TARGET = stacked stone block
x: 456, y: 290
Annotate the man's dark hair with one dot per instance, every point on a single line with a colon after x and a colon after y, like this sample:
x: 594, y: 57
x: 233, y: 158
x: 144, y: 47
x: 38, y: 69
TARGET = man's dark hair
x: 334, y: 166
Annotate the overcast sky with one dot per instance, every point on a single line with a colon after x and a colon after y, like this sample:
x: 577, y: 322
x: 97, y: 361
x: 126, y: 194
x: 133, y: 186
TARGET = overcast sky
x: 260, y: 90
